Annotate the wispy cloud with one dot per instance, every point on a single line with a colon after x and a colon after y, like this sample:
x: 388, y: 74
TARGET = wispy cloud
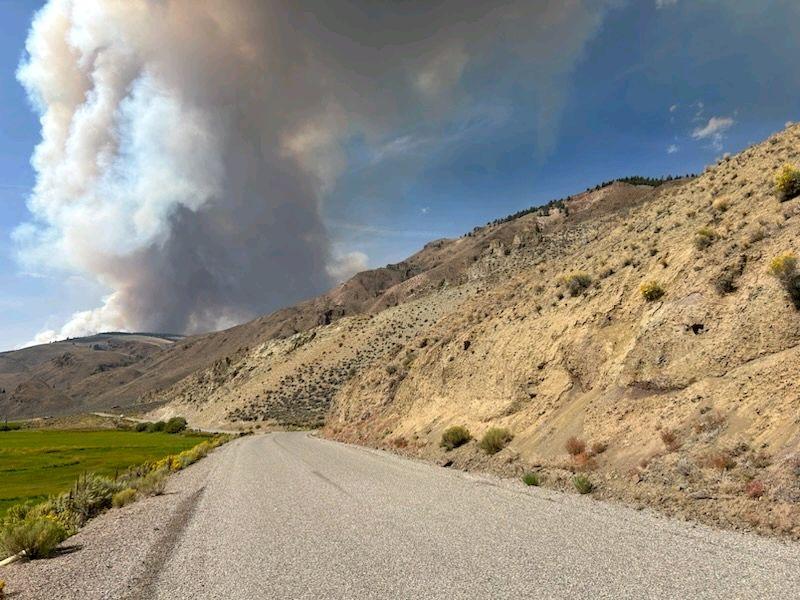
x: 714, y: 130
x: 665, y: 3
x: 673, y: 108
x: 384, y: 231
x: 672, y: 149
x: 425, y: 210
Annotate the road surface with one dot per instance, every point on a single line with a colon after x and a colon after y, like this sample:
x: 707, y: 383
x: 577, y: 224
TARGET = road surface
x: 287, y: 515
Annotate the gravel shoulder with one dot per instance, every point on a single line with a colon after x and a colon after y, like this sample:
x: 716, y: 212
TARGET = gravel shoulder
x: 287, y: 515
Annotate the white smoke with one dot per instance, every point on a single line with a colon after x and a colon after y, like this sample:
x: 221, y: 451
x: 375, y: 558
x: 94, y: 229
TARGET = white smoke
x: 188, y: 145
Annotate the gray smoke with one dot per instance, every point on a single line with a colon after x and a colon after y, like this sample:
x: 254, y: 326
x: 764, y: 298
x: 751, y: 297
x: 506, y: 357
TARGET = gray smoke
x: 188, y: 145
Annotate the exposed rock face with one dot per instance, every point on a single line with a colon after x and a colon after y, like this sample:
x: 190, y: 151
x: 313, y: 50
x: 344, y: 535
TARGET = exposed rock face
x: 713, y: 361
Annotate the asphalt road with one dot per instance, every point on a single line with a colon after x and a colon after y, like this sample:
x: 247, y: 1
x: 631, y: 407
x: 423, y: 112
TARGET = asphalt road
x: 290, y: 516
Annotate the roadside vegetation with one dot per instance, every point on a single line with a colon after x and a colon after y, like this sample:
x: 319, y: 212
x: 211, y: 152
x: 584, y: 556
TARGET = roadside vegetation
x: 455, y: 436
x: 35, y: 529
x: 37, y: 463
x: 495, y: 439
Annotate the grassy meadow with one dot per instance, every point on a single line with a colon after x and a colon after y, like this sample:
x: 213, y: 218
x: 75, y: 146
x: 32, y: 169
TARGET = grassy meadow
x: 37, y: 463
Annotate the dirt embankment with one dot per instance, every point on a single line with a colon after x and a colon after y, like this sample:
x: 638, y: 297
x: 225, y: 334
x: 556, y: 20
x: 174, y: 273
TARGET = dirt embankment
x: 688, y: 402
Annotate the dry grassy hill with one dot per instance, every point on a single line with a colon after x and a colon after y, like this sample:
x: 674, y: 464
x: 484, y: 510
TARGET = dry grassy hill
x: 60, y: 378
x: 688, y: 397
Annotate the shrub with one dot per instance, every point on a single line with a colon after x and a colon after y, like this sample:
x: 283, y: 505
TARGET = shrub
x: 455, y: 436
x: 755, y: 489
x: 651, y: 290
x: 725, y: 281
x: 495, y: 439
x: 720, y: 205
x: 784, y: 268
x: 175, y: 425
x: 399, y: 442
x: 787, y: 183
x: 2, y: 587
x: 720, y: 460
x: 157, y: 426
x: 123, y: 498
x: 575, y: 446
x: 152, y: 484
x: 704, y: 237
x: 670, y: 440
x: 140, y: 427
x: 530, y: 479
x: 576, y: 283
x: 582, y: 484
x: 90, y: 495
x: 37, y: 537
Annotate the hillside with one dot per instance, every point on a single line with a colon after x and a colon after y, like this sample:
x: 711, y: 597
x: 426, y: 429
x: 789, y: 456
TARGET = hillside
x: 535, y: 323
x: 688, y: 398
x: 292, y: 380
x: 60, y: 378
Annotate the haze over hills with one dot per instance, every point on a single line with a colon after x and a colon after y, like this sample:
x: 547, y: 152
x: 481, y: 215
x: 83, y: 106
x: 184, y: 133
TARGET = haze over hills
x: 536, y: 324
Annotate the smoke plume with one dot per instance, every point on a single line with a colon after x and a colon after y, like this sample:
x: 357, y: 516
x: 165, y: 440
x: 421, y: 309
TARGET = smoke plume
x: 188, y: 145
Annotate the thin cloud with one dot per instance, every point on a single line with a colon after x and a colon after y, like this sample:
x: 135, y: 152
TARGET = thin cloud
x: 672, y: 149
x: 714, y: 130
x: 665, y: 3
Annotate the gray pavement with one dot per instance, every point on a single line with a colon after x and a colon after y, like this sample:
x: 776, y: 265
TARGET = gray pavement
x: 287, y: 515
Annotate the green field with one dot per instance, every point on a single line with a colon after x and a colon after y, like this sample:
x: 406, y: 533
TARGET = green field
x: 35, y: 464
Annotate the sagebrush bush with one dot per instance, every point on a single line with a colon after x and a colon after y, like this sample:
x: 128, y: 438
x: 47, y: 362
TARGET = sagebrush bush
x: 123, y: 497
x: 455, y: 436
x: 152, y: 484
x: 651, y: 290
x: 704, y: 237
x: 787, y: 183
x: 175, y: 425
x: 576, y: 283
x: 37, y: 537
x: 530, y: 479
x: 495, y: 439
x: 91, y: 494
x: 582, y: 484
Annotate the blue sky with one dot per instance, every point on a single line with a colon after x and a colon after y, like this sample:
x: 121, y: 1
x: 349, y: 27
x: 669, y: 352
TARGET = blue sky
x: 660, y: 87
